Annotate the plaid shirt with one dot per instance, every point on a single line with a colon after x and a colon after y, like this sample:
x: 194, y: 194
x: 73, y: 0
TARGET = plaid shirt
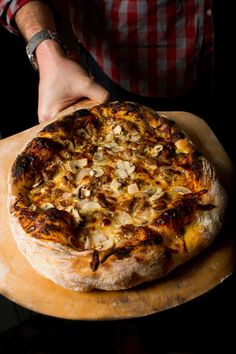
x: 152, y: 48
x: 8, y: 10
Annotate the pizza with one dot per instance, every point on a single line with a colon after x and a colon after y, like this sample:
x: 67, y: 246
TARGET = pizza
x: 111, y: 197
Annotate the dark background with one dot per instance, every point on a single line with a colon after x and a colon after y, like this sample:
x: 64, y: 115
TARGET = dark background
x: 18, y: 86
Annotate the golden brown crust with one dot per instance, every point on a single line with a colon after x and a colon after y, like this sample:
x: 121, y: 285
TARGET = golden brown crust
x: 112, y: 197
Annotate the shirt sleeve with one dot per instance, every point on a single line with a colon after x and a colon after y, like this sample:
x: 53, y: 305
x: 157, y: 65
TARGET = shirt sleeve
x: 8, y: 9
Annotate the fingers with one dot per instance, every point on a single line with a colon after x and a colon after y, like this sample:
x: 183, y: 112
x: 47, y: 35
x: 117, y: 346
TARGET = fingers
x: 94, y: 91
x: 98, y: 93
x: 46, y: 109
x: 54, y: 96
x: 43, y: 117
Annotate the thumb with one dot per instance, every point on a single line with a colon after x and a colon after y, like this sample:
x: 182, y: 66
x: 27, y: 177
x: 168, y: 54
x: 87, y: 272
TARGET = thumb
x: 95, y: 92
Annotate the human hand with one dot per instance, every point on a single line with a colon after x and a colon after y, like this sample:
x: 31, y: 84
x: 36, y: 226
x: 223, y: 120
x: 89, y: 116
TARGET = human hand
x: 63, y: 82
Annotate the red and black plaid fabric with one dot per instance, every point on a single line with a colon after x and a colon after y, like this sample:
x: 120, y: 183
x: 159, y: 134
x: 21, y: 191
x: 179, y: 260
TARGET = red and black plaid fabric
x: 8, y: 10
x: 149, y: 47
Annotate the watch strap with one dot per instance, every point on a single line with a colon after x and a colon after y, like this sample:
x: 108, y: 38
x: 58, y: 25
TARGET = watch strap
x: 37, y: 39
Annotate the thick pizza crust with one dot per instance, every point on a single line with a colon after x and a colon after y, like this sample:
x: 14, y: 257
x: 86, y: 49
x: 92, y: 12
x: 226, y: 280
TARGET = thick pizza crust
x: 71, y: 268
x: 209, y: 224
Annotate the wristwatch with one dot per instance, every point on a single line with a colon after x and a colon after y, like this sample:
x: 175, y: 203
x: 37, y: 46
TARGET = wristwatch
x: 37, y: 39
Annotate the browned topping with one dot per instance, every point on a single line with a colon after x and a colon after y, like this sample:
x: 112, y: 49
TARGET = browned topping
x: 30, y: 161
x: 107, y: 202
x: 166, y: 155
x: 49, y: 172
x: 53, y: 214
x: 150, y: 235
x: 81, y: 113
x: 176, y: 135
x: 64, y: 125
x: 166, y: 127
x: 106, y: 222
x: 53, y: 225
x: 42, y: 148
x: 197, y: 164
x: 23, y: 165
x: 26, y: 214
x: 160, y: 204
x: 121, y: 253
x: 182, y: 212
x: 95, y: 261
x: 128, y: 229
x: 183, y: 160
x: 205, y: 206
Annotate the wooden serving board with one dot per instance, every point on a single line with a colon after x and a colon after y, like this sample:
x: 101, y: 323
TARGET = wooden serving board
x: 21, y: 284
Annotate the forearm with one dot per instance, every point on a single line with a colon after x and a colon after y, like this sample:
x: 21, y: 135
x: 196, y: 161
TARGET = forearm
x: 34, y: 17
x: 62, y: 81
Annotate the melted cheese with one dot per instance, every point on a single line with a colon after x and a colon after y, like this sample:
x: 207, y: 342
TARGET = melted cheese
x: 123, y: 181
